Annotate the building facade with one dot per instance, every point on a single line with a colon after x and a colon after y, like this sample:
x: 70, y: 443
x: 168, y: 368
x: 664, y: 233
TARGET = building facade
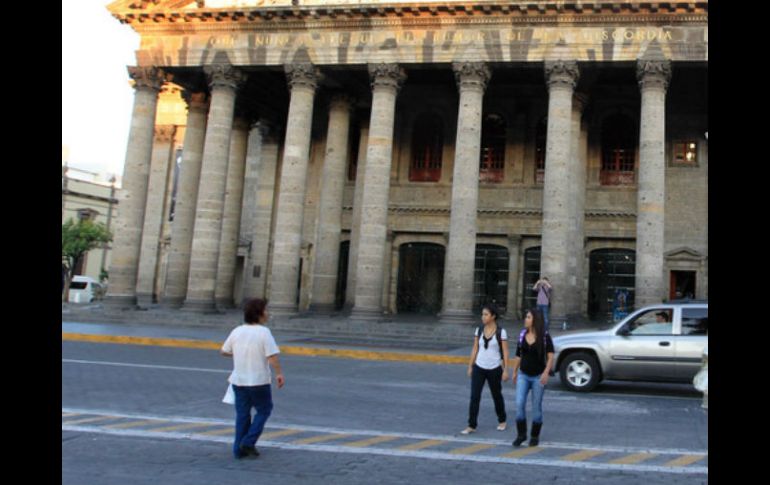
x: 398, y: 157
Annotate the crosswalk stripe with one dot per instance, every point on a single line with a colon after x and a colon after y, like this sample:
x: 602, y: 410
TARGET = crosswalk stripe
x: 470, y: 449
x: 180, y: 427
x: 685, y: 460
x: 131, y: 424
x: 371, y: 441
x: 582, y: 455
x: 318, y: 439
x: 277, y: 434
x: 89, y: 420
x: 422, y: 444
x: 522, y: 452
x: 631, y: 459
x: 218, y: 432
x: 67, y: 415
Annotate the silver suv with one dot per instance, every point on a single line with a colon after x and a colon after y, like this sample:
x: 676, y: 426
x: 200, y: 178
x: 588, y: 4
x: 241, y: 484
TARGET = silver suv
x: 656, y: 343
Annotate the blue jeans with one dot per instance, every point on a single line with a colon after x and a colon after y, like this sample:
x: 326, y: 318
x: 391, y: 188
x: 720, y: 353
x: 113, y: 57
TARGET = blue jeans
x: 247, y: 431
x: 544, y: 310
x: 524, y: 384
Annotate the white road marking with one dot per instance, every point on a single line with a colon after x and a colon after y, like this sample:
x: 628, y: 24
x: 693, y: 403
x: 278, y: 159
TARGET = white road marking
x: 147, y: 366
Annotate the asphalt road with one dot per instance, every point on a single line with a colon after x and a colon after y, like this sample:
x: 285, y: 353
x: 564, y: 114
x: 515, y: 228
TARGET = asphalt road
x: 116, y: 397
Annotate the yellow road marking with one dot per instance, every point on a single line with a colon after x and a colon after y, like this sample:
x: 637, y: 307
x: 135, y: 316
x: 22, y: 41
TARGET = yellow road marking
x: 289, y: 350
x: 89, y: 420
x: 635, y: 458
x: 470, y: 449
x: 582, y: 455
x: 276, y: 434
x: 685, y: 460
x: 522, y: 452
x: 130, y: 424
x: 218, y: 432
x: 180, y: 426
x: 371, y: 441
x: 66, y: 415
x: 318, y: 439
x: 421, y: 444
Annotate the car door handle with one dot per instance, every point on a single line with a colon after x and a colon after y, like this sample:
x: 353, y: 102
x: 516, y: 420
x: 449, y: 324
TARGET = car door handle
x: 664, y: 344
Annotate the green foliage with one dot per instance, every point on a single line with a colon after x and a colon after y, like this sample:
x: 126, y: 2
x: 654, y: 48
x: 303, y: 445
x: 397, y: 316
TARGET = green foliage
x: 77, y: 238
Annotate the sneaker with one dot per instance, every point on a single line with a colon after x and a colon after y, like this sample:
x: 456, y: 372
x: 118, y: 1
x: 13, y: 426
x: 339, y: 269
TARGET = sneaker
x: 468, y: 430
x: 247, y: 451
x: 501, y: 427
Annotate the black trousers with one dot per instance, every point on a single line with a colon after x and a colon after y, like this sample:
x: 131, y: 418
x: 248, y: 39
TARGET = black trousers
x: 495, y: 379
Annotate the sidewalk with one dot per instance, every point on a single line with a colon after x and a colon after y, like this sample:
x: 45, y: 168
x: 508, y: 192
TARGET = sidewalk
x: 405, y: 338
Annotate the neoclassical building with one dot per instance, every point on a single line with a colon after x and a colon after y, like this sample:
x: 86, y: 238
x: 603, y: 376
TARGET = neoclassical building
x: 388, y: 157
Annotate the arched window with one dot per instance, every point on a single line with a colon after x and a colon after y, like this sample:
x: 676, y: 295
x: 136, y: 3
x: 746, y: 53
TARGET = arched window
x: 619, y: 139
x: 540, y: 143
x: 427, y: 145
x: 492, y: 165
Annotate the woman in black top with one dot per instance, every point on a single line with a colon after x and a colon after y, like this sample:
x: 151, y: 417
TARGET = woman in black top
x: 531, y: 368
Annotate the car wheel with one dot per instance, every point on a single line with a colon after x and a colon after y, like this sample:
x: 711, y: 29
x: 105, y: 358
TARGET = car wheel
x: 579, y: 372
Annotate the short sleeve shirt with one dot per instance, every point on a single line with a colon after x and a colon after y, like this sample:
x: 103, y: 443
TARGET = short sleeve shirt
x: 532, y: 361
x: 489, y: 358
x: 250, y: 345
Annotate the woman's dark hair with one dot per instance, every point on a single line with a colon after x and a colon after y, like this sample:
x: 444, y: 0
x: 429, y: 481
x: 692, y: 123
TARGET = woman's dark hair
x: 253, y: 310
x: 538, y: 323
x: 492, y: 309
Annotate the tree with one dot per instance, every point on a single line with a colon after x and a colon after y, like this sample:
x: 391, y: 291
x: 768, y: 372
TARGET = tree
x: 77, y: 238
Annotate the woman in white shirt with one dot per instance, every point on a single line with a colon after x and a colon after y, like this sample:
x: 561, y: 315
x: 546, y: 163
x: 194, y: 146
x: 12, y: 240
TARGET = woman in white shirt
x: 252, y: 348
x: 488, y: 363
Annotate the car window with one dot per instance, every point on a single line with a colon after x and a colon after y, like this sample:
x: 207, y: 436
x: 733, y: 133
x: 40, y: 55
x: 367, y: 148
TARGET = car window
x: 652, y: 322
x: 695, y: 321
x: 78, y: 285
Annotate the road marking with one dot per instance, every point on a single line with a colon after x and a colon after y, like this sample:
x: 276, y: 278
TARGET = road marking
x: 130, y: 424
x: 469, y: 450
x: 631, y: 459
x: 180, y: 427
x: 318, y: 439
x: 278, y: 434
x: 422, y: 444
x: 523, y: 452
x: 582, y: 455
x: 218, y: 432
x: 372, y: 441
x: 66, y: 415
x: 684, y: 460
x: 146, y: 366
x: 395, y: 452
x: 88, y: 420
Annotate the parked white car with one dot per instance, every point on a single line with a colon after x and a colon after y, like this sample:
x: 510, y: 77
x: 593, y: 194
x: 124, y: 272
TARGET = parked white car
x: 661, y: 343
x: 84, y: 289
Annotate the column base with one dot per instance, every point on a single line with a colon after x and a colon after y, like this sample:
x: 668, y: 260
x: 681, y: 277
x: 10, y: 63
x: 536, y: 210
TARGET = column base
x: 120, y: 302
x: 224, y: 303
x: 367, y: 314
x: 143, y: 300
x: 283, y: 309
x: 323, y: 308
x: 174, y: 302
x: 198, y: 306
x: 457, y: 317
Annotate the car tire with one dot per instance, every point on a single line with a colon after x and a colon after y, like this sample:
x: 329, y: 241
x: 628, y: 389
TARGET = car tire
x: 580, y: 372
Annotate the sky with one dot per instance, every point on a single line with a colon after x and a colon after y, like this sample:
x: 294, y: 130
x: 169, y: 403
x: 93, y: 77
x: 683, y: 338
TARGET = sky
x: 97, y: 99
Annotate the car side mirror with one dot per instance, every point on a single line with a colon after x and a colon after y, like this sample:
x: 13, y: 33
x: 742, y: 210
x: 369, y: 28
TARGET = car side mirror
x: 624, y: 332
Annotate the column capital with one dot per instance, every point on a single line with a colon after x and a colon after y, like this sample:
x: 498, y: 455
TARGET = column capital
x: 148, y: 77
x: 223, y: 75
x: 268, y: 130
x: 514, y: 239
x: 302, y: 74
x: 386, y: 75
x: 471, y: 75
x: 164, y: 133
x: 653, y: 73
x: 240, y: 123
x: 195, y: 101
x: 341, y: 101
x: 561, y: 74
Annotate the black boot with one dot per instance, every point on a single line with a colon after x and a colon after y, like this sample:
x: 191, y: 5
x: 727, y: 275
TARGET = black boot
x: 521, y: 430
x: 535, y: 434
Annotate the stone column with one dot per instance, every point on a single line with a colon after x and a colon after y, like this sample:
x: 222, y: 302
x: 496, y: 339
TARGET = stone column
x: 355, y: 230
x: 303, y: 80
x: 577, y: 198
x: 254, y: 285
x: 204, y: 255
x: 124, y: 258
x: 561, y: 77
x: 472, y: 79
x: 153, y: 214
x: 514, y: 276
x: 327, y: 253
x: 653, y: 79
x: 231, y: 218
x: 249, y: 205
x: 186, y: 199
x: 386, y: 81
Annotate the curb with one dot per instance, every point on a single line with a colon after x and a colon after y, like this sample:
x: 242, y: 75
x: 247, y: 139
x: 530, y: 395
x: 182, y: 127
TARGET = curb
x: 288, y: 349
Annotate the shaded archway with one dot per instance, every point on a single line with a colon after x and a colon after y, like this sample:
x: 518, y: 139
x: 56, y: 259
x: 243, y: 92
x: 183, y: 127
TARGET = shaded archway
x: 490, y: 277
x: 420, y: 278
x: 610, y: 271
